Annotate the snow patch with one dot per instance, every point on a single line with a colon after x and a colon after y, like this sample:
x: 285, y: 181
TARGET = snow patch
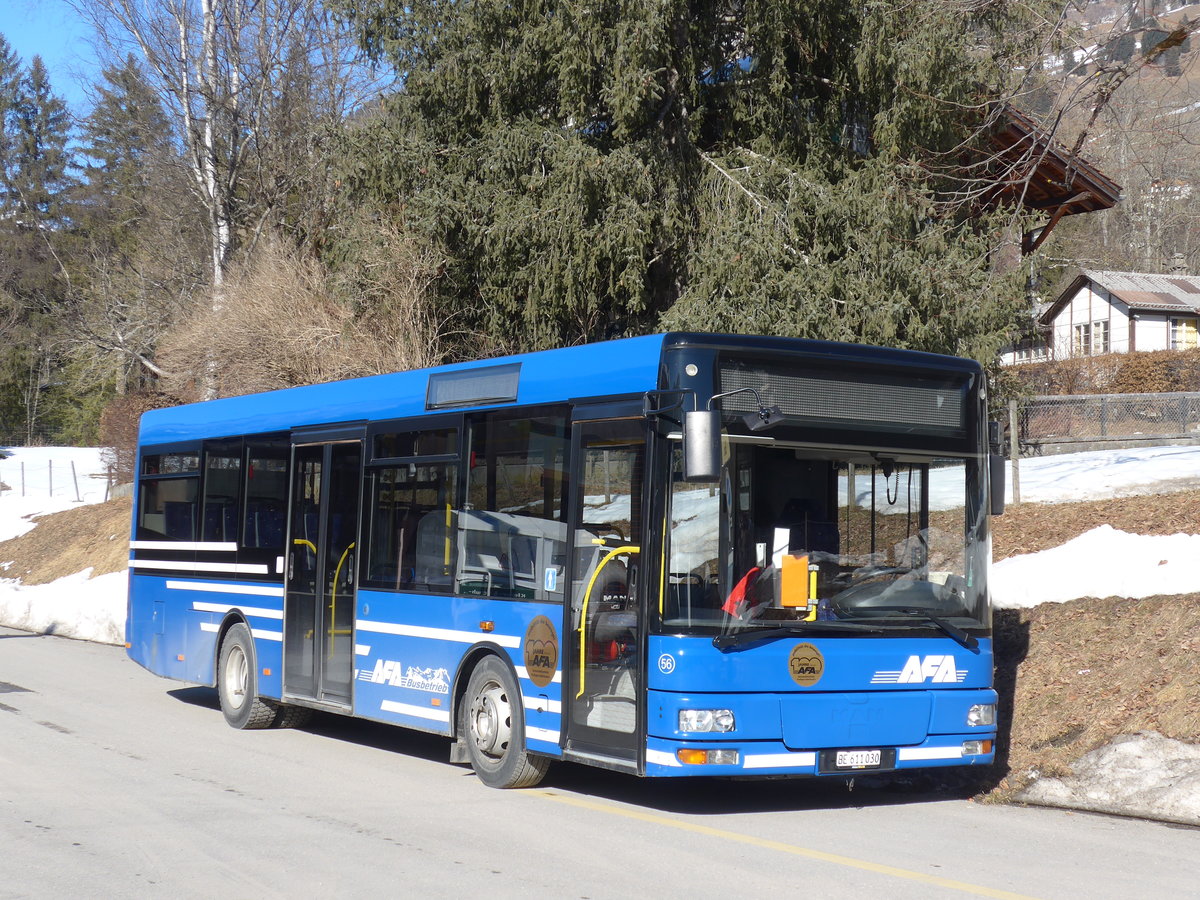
x: 1143, y: 774
x: 1103, y: 562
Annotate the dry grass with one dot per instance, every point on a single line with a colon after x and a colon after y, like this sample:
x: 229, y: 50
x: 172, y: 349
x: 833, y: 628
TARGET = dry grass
x: 1073, y: 676
x: 64, y: 543
x: 284, y: 320
x: 1030, y: 527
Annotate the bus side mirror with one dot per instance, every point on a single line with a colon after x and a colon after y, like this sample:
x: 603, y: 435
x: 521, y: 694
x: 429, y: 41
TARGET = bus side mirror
x: 702, y: 445
x: 996, y: 480
x: 995, y: 469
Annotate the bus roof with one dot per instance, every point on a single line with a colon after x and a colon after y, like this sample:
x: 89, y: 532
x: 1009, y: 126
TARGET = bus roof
x: 605, y: 369
x: 625, y: 366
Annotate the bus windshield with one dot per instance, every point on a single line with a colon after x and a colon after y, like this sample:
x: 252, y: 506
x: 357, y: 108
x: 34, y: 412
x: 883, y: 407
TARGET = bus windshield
x: 792, y: 534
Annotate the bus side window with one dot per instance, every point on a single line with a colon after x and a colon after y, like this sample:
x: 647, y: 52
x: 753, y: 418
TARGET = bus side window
x: 222, y: 486
x: 513, y: 533
x: 409, y: 527
x: 266, y: 488
x: 168, y: 494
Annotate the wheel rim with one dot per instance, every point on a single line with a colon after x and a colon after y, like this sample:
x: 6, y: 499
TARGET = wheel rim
x: 237, y: 677
x: 491, y: 720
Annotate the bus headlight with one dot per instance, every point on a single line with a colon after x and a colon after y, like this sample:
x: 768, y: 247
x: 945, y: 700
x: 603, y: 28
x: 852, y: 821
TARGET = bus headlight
x: 981, y: 714
x: 706, y: 720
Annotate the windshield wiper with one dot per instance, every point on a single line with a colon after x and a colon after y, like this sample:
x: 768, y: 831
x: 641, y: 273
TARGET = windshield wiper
x: 740, y: 639
x: 967, y: 640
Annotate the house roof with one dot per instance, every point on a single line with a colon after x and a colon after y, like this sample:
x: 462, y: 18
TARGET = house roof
x: 1044, y: 176
x: 1041, y: 175
x: 1140, y: 291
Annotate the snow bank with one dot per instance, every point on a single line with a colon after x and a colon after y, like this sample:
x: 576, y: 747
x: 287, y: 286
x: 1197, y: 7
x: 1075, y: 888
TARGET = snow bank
x: 1103, y: 562
x: 78, y: 606
x: 1143, y: 774
x: 1100, y: 474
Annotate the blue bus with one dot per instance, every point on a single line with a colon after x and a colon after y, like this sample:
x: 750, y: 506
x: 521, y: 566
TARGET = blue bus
x: 671, y: 555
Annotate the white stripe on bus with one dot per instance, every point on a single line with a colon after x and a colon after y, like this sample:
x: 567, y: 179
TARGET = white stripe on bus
x: 362, y: 650
x: 212, y: 546
x: 779, y: 760
x: 420, y: 712
x: 259, y: 611
x: 255, y: 632
x: 250, y: 590
x: 438, y: 634
x: 233, y: 568
x: 662, y: 758
x: 542, y: 704
x: 930, y: 753
x: 523, y: 672
x: 541, y: 734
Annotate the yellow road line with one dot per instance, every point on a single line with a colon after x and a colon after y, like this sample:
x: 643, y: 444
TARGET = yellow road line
x: 793, y: 849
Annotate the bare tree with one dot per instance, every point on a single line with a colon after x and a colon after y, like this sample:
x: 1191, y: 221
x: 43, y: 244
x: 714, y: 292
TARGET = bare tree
x: 253, y: 87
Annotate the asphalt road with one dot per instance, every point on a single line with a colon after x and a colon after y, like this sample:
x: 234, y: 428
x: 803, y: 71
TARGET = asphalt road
x: 116, y: 783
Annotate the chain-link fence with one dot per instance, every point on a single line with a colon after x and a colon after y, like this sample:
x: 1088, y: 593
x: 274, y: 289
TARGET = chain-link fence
x: 16, y: 435
x: 1061, y: 424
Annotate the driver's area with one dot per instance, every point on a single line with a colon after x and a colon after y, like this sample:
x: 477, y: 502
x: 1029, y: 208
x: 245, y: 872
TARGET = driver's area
x: 794, y: 533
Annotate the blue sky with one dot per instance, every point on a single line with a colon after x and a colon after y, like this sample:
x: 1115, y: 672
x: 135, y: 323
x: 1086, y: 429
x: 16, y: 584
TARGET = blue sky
x: 52, y: 30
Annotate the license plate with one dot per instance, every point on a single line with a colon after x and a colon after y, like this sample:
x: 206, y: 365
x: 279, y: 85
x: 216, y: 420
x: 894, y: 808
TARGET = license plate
x: 858, y: 759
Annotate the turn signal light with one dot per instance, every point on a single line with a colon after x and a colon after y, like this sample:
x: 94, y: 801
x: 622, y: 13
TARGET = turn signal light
x: 976, y: 748
x: 691, y: 757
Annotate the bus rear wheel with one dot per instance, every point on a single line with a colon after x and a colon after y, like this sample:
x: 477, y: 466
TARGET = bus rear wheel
x: 492, y: 724
x: 237, y: 682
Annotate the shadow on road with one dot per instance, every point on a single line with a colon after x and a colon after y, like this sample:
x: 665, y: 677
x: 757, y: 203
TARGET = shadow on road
x: 703, y: 796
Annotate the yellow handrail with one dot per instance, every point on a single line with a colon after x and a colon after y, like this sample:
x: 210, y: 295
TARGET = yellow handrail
x: 333, y: 594
x: 587, y: 597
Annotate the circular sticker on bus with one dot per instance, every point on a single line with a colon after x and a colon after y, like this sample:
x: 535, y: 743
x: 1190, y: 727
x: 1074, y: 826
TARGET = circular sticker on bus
x: 541, y: 651
x: 806, y: 665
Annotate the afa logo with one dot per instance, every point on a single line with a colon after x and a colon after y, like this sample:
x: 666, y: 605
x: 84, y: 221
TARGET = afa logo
x: 934, y: 668
x: 806, y: 665
x: 541, y: 651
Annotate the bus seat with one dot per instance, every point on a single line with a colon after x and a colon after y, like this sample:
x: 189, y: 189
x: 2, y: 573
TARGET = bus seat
x: 180, y: 520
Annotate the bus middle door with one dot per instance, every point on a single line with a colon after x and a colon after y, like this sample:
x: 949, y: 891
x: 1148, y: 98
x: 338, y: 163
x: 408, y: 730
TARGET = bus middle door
x: 319, y: 603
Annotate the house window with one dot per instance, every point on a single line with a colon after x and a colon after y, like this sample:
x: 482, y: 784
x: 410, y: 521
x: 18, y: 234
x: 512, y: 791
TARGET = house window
x: 1092, y: 338
x: 1083, y: 340
x: 1183, y: 334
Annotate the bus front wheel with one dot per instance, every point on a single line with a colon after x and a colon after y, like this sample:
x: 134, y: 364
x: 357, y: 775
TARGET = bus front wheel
x: 237, y: 682
x: 492, y: 724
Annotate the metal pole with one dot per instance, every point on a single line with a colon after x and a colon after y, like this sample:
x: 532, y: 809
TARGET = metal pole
x: 607, y: 488
x: 1014, y: 451
x: 75, y: 478
x: 51, y: 478
x: 22, y: 478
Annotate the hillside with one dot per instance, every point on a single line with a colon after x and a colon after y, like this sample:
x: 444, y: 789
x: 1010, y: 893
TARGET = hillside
x: 1071, y: 676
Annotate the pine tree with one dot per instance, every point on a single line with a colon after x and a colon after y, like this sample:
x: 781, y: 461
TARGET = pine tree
x: 34, y: 185
x: 605, y: 168
x: 137, y: 230
x: 10, y: 83
x: 40, y: 179
x: 119, y: 140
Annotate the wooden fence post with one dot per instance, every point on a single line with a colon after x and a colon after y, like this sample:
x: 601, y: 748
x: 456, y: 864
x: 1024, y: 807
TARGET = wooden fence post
x: 1014, y: 452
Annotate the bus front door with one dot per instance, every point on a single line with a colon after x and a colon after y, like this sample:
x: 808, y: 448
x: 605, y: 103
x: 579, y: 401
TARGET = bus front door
x: 606, y: 690
x: 318, y: 646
